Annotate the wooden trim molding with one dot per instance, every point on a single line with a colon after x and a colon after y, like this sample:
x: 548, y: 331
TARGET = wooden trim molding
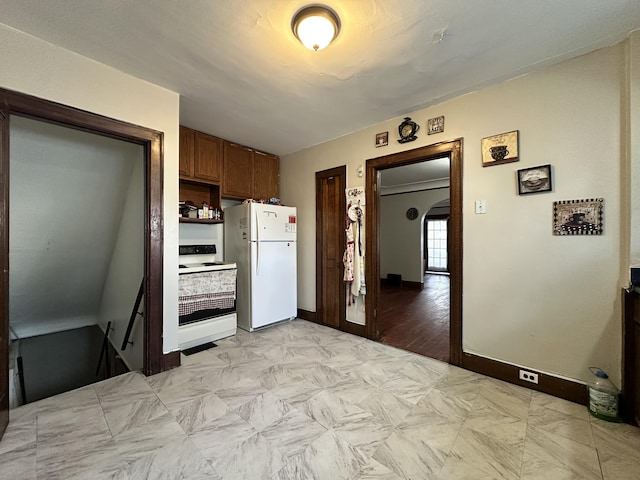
x: 307, y: 315
x: 558, y: 387
x: 170, y: 360
x: 404, y: 284
x: 348, y: 327
x: 4, y: 269
x: 15, y: 103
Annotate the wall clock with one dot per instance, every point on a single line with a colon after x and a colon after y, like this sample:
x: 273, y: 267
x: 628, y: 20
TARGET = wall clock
x: 407, y: 130
x: 412, y: 213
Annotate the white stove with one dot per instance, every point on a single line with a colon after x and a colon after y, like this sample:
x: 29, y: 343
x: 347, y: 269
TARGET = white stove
x: 207, y: 293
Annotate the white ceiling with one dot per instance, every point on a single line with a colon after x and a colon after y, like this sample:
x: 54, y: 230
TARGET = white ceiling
x: 243, y: 76
x: 417, y: 176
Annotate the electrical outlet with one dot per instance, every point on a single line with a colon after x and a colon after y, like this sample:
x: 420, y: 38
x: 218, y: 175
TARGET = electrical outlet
x: 481, y: 206
x: 528, y: 376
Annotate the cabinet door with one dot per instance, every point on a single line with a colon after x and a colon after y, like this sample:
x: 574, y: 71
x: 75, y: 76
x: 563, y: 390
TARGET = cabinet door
x: 208, y: 158
x: 187, y: 141
x: 237, y: 171
x: 266, y: 171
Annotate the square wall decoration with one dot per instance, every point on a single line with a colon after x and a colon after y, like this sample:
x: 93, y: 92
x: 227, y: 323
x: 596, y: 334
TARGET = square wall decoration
x: 435, y: 125
x: 534, y: 180
x: 500, y: 149
x: 578, y: 217
x: 382, y: 139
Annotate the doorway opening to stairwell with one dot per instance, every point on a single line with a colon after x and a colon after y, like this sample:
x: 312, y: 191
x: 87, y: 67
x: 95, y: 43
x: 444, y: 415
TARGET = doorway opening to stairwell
x: 76, y: 252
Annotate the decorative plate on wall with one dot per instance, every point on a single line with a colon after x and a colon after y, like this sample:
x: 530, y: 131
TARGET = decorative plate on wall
x: 412, y: 213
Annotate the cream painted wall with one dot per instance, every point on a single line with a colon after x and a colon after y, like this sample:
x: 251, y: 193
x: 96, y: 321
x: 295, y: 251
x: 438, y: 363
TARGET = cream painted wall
x: 126, y: 270
x: 529, y: 298
x: 35, y: 67
x: 197, y: 234
x: 67, y: 195
x: 401, y: 239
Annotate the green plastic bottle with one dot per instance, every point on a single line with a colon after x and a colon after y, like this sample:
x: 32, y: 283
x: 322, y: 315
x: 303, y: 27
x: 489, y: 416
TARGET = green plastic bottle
x: 603, y: 396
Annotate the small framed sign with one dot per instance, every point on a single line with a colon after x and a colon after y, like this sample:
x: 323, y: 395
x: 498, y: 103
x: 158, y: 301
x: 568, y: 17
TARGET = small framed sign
x: 435, y: 125
x: 534, y: 180
x: 382, y: 139
x: 500, y: 149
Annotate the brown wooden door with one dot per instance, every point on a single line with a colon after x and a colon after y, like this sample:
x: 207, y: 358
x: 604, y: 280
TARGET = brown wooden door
x: 208, y: 158
x: 4, y: 272
x: 187, y: 143
x: 237, y: 171
x: 266, y: 169
x: 330, y: 245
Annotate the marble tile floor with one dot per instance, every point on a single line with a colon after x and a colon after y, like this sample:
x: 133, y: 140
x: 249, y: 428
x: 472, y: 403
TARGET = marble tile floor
x: 301, y: 401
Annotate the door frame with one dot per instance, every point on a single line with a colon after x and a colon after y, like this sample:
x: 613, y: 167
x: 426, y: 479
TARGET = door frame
x: 152, y: 141
x: 453, y: 150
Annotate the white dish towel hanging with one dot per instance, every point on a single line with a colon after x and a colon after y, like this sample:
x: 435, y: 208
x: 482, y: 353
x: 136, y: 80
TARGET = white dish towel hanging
x: 354, y: 255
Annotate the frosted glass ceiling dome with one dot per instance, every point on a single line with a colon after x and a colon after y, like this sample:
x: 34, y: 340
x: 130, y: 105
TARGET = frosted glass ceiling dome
x: 315, y: 26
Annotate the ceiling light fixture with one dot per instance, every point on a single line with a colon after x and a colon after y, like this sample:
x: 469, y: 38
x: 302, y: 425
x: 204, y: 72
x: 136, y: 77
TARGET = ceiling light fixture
x: 315, y: 26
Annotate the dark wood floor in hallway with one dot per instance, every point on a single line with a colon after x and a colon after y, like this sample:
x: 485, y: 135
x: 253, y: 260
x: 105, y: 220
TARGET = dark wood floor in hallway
x: 417, y: 320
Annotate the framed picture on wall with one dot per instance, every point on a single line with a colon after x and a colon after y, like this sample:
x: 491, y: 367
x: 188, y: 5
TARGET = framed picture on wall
x: 435, y: 125
x: 500, y: 149
x: 382, y: 139
x: 534, y: 180
x: 578, y: 217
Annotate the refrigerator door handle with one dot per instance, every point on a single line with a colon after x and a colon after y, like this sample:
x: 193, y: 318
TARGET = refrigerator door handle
x: 257, y: 214
x: 257, y: 258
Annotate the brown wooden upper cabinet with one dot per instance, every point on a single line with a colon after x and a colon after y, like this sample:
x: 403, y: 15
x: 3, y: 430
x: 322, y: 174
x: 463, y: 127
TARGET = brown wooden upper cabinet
x: 266, y: 175
x: 187, y: 140
x: 241, y: 172
x: 237, y: 172
x: 200, y: 156
x: 248, y: 173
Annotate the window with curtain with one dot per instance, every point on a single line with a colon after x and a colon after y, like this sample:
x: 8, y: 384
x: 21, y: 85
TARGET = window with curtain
x: 437, y: 245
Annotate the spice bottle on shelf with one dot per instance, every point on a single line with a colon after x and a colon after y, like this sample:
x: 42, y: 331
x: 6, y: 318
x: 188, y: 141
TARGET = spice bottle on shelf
x: 205, y: 210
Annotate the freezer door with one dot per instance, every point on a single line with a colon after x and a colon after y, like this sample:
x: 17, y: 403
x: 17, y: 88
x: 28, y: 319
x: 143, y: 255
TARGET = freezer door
x: 273, y: 282
x: 273, y: 223
x: 236, y: 225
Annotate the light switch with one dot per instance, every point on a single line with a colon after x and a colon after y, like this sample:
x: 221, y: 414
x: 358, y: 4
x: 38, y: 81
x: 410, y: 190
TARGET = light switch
x: 481, y: 206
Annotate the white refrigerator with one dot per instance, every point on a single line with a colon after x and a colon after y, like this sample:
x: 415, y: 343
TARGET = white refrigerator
x: 261, y: 239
